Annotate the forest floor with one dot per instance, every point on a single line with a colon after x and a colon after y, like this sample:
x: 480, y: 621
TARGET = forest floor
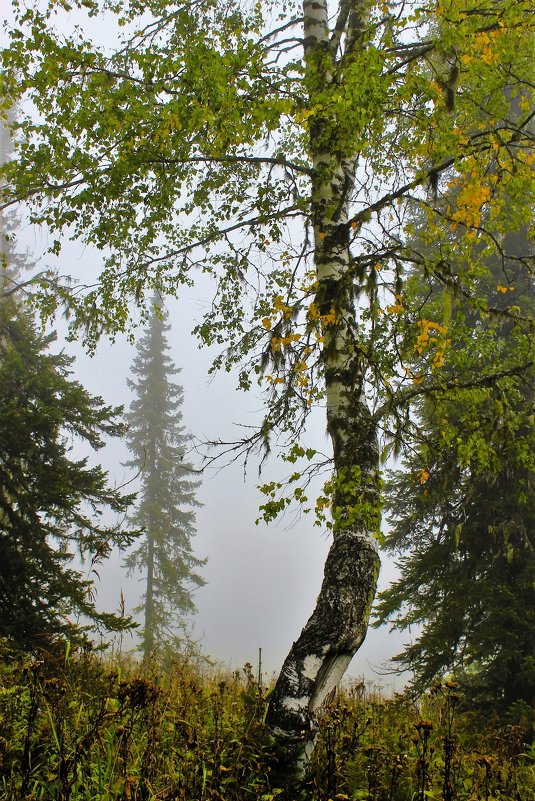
x: 86, y: 726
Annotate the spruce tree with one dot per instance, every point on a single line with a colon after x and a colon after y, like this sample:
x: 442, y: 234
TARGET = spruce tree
x: 165, y: 511
x: 51, y: 504
x: 467, y: 575
x: 463, y: 513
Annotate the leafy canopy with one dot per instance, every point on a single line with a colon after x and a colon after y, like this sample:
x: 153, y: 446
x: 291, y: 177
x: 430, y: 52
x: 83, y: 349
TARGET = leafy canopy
x: 186, y: 147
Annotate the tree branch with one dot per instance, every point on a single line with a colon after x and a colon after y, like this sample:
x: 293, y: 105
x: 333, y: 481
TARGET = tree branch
x: 404, y: 397
x: 276, y: 160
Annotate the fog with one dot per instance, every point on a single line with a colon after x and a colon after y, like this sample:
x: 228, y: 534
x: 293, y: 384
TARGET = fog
x: 262, y: 581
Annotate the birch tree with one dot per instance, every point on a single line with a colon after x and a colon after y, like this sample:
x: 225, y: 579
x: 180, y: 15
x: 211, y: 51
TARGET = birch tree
x: 282, y: 148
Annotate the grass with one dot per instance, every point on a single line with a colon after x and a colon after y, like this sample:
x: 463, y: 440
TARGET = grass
x: 82, y: 727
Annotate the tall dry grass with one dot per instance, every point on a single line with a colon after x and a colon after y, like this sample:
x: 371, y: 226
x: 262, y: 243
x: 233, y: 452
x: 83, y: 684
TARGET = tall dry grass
x: 83, y: 727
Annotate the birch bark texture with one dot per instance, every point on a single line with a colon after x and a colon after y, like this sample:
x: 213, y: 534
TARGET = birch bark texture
x: 337, y: 627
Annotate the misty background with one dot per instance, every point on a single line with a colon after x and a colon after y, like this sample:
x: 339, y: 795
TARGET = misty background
x: 262, y: 581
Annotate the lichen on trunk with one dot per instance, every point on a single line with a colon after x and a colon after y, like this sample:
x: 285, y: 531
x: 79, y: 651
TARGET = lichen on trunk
x: 319, y: 658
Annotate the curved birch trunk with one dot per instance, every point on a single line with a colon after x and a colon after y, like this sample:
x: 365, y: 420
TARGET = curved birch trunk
x: 337, y: 627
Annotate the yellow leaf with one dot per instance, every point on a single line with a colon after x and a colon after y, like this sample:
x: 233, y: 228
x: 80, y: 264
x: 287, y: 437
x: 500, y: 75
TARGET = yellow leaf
x: 313, y: 312
x: 266, y: 322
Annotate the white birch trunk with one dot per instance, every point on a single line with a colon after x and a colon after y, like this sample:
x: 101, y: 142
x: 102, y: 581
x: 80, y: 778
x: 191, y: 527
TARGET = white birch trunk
x: 337, y: 627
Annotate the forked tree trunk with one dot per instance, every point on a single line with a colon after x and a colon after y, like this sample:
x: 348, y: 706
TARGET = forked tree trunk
x: 337, y: 627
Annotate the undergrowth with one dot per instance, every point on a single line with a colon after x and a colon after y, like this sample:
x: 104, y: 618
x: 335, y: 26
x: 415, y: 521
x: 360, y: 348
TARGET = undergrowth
x: 83, y: 728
